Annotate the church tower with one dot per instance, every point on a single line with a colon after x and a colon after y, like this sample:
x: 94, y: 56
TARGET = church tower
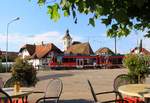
x: 67, y: 40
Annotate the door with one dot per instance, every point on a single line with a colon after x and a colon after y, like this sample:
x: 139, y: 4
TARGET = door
x: 79, y: 63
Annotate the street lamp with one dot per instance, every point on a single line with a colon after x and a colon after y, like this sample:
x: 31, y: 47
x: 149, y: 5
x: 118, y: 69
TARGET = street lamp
x: 7, y: 41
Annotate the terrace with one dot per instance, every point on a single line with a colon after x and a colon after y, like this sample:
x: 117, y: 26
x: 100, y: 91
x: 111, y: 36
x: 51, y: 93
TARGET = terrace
x: 76, y: 89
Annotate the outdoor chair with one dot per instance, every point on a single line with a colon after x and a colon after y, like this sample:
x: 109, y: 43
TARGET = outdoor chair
x: 52, y: 92
x: 120, y: 80
x: 6, y: 99
x: 115, y: 100
x: 10, y: 83
x: 124, y: 79
x: 1, y: 82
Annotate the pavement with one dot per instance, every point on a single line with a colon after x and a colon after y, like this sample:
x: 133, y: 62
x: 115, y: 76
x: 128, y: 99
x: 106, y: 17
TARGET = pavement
x: 75, y: 86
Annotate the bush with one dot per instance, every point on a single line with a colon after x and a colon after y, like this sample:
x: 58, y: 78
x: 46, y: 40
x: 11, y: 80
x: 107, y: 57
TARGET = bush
x: 23, y: 71
x: 138, y: 66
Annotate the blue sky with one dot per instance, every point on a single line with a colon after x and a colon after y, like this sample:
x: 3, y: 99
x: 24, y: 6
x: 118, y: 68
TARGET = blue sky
x: 35, y: 26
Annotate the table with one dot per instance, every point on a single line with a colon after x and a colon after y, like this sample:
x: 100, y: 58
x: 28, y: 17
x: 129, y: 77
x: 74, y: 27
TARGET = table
x: 136, y: 90
x: 24, y: 92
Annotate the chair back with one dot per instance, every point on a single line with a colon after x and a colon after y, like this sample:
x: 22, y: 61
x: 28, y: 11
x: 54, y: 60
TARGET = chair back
x: 11, y: 81
x: 120, y: 80
x: 4, y: 97
x: 1, y: 82
x: 54, y: 89
x: 115, y: 100
x: 92, y: 91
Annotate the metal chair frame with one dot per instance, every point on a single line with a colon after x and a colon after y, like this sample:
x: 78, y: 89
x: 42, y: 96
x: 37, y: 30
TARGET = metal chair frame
x: 7, y: 96
x: 120, y: 80
x: 11, y: 81
x: 120, y: 100
x: 45, y: 97
x: 123, y: 79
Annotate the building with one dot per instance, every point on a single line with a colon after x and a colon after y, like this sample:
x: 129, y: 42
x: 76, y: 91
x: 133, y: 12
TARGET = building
x: 67, y: 40
x: 80, y: 48
x: 140, y: 49
x: 39, y: 55
x: 11, y: 56
x: 137, y: 50
x: 104, y: 51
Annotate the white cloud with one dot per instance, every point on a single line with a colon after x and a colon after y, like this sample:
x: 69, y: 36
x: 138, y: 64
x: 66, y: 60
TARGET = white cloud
x: 77, y: 38
x: 17, y: 40
x: 124, y: 45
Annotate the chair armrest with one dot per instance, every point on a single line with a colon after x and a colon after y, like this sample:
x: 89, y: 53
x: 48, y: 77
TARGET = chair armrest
x: 38, y: 92
x: 116, y: 101
x: 119, y: 100
x: 116, y: 93
x: 44, y: 98
x: 107, y: 92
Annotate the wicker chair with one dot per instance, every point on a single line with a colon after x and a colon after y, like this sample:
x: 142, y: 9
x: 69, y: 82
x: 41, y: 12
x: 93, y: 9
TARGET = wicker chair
x: 115, y: 100
x: 4, y: 97
x: 52, y: 92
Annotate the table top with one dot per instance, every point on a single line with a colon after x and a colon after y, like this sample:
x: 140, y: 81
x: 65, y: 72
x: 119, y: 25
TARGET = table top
x: 24, y: 91
x: 137, y: 90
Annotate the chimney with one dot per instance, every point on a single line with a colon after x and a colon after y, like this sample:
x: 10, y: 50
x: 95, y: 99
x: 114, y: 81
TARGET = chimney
x: 42, y: 43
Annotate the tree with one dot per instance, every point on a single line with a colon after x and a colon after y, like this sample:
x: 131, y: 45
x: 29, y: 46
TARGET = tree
x: 138, y: 66
x: 24, y: 72
x: 120, y: 16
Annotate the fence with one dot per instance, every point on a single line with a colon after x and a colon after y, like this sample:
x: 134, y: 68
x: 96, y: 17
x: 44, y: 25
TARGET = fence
x: 3, y: 66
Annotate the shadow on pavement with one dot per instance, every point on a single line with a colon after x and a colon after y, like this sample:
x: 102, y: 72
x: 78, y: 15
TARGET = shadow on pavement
x: 45, y: 77
x: 75, y: 101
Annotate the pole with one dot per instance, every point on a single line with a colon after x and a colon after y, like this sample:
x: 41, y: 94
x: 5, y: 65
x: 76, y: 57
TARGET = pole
x: 6, y: 56
x: 115, y: 46
x: 7, y: 48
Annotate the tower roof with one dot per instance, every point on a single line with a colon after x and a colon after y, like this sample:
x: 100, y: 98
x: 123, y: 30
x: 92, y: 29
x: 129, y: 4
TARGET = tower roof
x: 67, y: 35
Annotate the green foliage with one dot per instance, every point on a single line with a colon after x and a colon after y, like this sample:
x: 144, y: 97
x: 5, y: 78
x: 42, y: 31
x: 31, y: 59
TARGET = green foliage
x: 92, y: 22
x: 23, y: 71
x: 41, y: 2
x: 124, y: 14
x: 53, y: 11
x: 138, y: 66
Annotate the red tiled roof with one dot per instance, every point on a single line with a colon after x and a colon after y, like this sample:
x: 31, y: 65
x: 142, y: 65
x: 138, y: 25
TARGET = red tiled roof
x: 104, y: 50
x: 82, y: 48
x: 143, y: 51
x: 39, y: 51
